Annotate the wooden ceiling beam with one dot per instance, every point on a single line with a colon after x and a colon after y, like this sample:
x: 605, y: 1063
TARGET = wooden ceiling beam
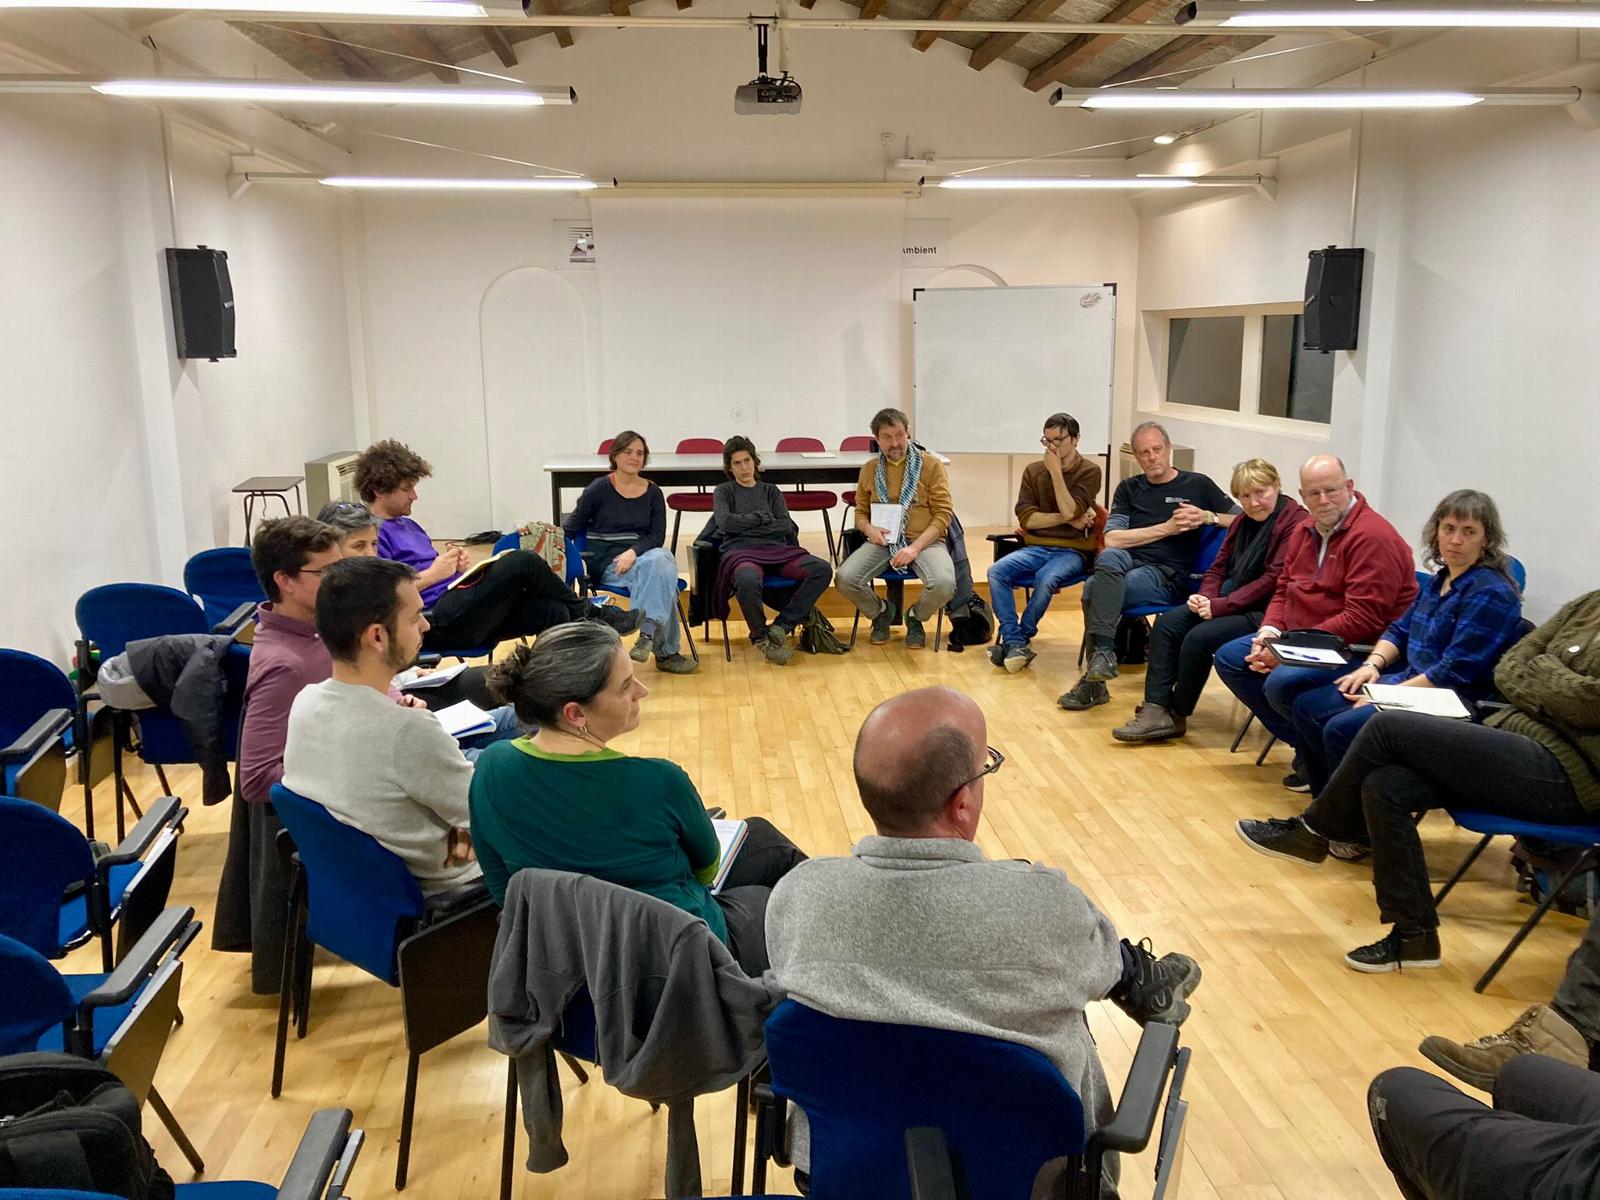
x: 563, y: 34
x: 497, y: 41
x: 871, y: 10
x: 620, y: 8
x: 996, y: 44
x: 345, y: 61
x: 1177, y: 53
x: 419, y: 43
x: 949, y: 10
x: 1080, y: 49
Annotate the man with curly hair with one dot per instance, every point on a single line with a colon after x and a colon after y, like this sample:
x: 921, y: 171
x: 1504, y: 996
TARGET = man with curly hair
x: 517, y: 596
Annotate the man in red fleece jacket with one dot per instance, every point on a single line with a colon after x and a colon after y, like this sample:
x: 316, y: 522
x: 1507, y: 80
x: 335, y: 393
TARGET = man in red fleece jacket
x: 1348, y: 572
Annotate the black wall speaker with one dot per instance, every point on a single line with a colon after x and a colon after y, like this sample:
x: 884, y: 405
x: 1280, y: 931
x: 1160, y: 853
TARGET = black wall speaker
x: 1333, y: 299
x: 202, y: 302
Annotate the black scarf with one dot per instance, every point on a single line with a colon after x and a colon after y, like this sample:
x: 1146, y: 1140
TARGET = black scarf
x: 1249, y: 556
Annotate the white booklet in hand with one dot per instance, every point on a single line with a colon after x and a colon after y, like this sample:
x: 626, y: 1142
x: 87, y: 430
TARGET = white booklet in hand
x: 414, y: 680
x: 731, y: 836
x: 1436, y: 702
x: 464, y: 720
x: 887, y: 518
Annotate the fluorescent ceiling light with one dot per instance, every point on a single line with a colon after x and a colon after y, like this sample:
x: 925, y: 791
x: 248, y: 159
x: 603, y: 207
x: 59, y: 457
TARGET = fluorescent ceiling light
x: 369, y: 8
x: 542, y: 183
x: 1397, y: 14
x: 1346, y: 98
x: 271, y: 92
x: 995, y: 183
x: 1164, y: 139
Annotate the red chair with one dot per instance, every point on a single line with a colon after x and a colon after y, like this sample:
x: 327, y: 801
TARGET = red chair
x: 699, y: 500
x: 605, y: 446
x: 860, y: 444
x: 800, y: 500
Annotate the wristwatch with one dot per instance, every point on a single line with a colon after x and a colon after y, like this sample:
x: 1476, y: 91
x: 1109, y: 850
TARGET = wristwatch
x: 1211, y: 518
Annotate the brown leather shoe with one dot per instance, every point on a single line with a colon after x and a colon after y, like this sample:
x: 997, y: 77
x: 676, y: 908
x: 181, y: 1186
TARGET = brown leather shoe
x: 1539, y: 1030
x: 1151, y: 723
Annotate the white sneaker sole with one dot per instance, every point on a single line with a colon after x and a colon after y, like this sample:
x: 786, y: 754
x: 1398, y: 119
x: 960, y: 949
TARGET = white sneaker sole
x: 1416, y: 964
x: 1015, y: 665
x: 1238, y: 827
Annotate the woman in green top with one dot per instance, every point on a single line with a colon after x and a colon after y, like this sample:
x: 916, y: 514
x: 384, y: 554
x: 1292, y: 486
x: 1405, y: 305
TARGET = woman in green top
x: 563, y: 800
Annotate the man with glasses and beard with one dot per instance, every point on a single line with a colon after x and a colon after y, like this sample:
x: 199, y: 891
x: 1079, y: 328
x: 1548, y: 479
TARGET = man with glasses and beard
x: 386, y: 769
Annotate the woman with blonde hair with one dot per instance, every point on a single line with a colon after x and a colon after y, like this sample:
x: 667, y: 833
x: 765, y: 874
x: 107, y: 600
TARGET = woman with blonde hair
x: 1231, y: 601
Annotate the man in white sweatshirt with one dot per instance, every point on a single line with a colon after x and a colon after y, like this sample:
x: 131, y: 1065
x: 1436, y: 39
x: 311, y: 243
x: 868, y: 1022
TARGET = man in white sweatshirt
x: 390, y: 771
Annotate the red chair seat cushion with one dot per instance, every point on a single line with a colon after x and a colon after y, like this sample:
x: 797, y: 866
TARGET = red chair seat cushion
x: 691, y: 502
x: 810, y: 501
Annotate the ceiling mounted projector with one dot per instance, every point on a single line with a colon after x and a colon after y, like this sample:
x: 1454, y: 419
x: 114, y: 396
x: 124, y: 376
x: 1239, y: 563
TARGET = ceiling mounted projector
x: 766, y: 95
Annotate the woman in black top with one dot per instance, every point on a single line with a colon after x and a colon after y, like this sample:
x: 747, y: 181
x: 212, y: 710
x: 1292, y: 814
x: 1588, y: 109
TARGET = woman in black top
x: 758, y: 544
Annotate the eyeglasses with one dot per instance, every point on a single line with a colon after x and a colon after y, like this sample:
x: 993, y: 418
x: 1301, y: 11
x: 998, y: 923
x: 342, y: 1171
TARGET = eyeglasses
x: 311, y: 570
x: 1053, y: 442
x: 1323, y: 493
x: 991, y: 763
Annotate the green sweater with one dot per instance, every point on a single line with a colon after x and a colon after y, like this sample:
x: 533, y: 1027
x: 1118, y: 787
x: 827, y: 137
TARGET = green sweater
x: 636, y: 822
x: 1552, y: 679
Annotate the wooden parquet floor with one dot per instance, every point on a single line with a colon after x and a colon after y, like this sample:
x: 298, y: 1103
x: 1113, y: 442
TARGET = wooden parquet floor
x: 1285, y: 1036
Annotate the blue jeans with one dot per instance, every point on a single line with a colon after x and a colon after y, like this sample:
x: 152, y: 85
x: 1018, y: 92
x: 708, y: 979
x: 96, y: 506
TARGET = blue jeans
x: 1120, y: 586
x: 506, y: 726
x: 652, y: 584
x: 1052, y: 568
x: 1271, y: 696
x: 1325, y: 724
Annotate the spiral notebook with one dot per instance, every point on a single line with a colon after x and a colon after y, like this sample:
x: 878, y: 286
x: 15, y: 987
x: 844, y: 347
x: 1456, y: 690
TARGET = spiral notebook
x: 730, y: 834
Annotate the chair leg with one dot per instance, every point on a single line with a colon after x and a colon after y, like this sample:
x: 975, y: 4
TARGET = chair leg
x: 1249, y: 720
x: 1472, y: 857
x: 727, y: 647
x: 166, y: 788
x: 120, y: 786
x: 508, y: 1144
x: 576, y: 1068
x: 677, y: 520
x: 855, y: 623
x: 176, y: 1130
x: 1267, y: 749
x: 827, y: 528
x: 407, y: 1112
x: 1585, y: 862
x: 938, y: 629
x: 688, y: 631
x: 288, y: 985
x: 741, y: 1133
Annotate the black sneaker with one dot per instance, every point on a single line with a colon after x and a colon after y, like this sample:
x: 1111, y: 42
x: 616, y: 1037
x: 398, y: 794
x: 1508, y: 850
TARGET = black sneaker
x: 997, y: 654
x: 1349, y: 851
x: 916, y: 635
x: 1018, y: 658
x: 1396, y: 952
x: 1296, y: 782
x: 1159, y: 988
x: 882, y: 623
x: 1086, y: 693
x: 623, y: 620
x: 1102, y: 666
x: 1288, y: 839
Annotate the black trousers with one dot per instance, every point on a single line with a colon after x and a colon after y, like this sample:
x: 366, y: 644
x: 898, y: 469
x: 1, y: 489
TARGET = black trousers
x: 252, y: 910
x: 766, y: 857
x: 1540, y: 1141
x: 1402, y: 764
x: 517, y: 597
x: 472, y: 684
x: 1578, y: 997
x: 750, y: 580
x: 1181, y: 649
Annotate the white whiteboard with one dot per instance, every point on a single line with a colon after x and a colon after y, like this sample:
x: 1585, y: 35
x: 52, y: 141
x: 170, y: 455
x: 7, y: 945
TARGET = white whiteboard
x: 992, y: 363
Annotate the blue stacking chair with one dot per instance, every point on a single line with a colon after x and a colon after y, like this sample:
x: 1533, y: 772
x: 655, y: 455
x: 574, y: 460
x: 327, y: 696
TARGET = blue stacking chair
x: 223, y: 581
x: 1005, y: 1109
x: 1005, y: 543
x: 705, y: 558
x: 1490, y: 826
x: 356, y: 899
x: 120, y: 1019
x: 320, y: 1170
x: 37, y: 708
x: 111, y: 616
x: 578, y: 577
x: 849, y: 540
x: 57, y: 894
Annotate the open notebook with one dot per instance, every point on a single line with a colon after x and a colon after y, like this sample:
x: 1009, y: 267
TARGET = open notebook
x: 1436, y: 702
x: 730, y: 834
x: 464, y: 720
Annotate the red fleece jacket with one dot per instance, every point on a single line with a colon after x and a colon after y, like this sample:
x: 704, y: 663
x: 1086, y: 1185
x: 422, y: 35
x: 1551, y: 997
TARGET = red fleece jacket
x: 1252, y: 596
x: 1366, y: 580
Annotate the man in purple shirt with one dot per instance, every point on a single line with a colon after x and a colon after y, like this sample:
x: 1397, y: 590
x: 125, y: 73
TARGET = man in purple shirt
x: 517, y: 596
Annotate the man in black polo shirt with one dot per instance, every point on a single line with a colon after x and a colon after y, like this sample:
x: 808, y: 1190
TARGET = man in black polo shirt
x: 1152, y: 537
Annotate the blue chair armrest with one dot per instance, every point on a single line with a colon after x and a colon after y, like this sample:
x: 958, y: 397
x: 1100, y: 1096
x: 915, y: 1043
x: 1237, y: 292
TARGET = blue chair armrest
x: 1130, y: 1127
x: 167, y: 812
x: 237, y: 619
x: 43, y: 731
x: 328, y: 1145
x: 169, y: 935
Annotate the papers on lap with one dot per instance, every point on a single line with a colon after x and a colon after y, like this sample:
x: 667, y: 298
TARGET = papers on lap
x: 475, y: 572
x: 411, y: 681
x: 1436, y: 702
x: 464, y: 720
x: 730, y: 834
x: 1306, y: 656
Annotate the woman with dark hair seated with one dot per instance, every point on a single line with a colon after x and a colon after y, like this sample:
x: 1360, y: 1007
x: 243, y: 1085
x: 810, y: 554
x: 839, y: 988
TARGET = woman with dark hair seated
x: 758, y: 544
x: 562, y: 799
x: 1457, y: 628
x: 517, y: 595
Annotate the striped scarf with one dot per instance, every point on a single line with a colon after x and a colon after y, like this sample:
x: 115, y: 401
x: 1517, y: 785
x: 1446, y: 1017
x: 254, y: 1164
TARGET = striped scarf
x: 908, y: 490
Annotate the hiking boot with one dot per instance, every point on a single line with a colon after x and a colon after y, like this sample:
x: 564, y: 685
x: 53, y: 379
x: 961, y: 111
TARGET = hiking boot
x: 643, y: 648
x: 882, y: 623
x: 1539, y: 1030
x: 1159, y: 988
x: 1086, y: 693
x: 916, y: 635
x: 1288, y: 839
x: 774, y: 646
x: 1397, y: 951
x: 623, y: 620
x: 1296, y: 782
x: 1349, y: 851
x: 1151, y: 723
x: 1102, y: 665
x: 677, y: 664
x: 997, y: 654
x: 1018, y: 658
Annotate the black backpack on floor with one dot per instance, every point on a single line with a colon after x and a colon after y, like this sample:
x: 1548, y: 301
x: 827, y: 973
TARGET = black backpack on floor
x: 69, y: 1123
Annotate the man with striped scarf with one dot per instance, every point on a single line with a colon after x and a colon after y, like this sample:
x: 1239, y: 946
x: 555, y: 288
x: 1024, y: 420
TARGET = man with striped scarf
x: 912, y: 492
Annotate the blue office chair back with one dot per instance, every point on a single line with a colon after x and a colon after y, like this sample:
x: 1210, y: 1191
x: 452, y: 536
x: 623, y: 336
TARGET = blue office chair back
x: 1519, y: 575
x: 223, y: 579
x: 41, y: 855
x: 29, y: 687
x: 1004, y: 1107
x: 115, y: 614
x: 162, y: 740
x: 575, y: 547
x: 36, y: 997
x: 508, y: 541
x: 1210, y: 546
x: 360, y: 899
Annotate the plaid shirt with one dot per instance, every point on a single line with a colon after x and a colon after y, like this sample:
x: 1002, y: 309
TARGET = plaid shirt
x: 1456, y: 639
